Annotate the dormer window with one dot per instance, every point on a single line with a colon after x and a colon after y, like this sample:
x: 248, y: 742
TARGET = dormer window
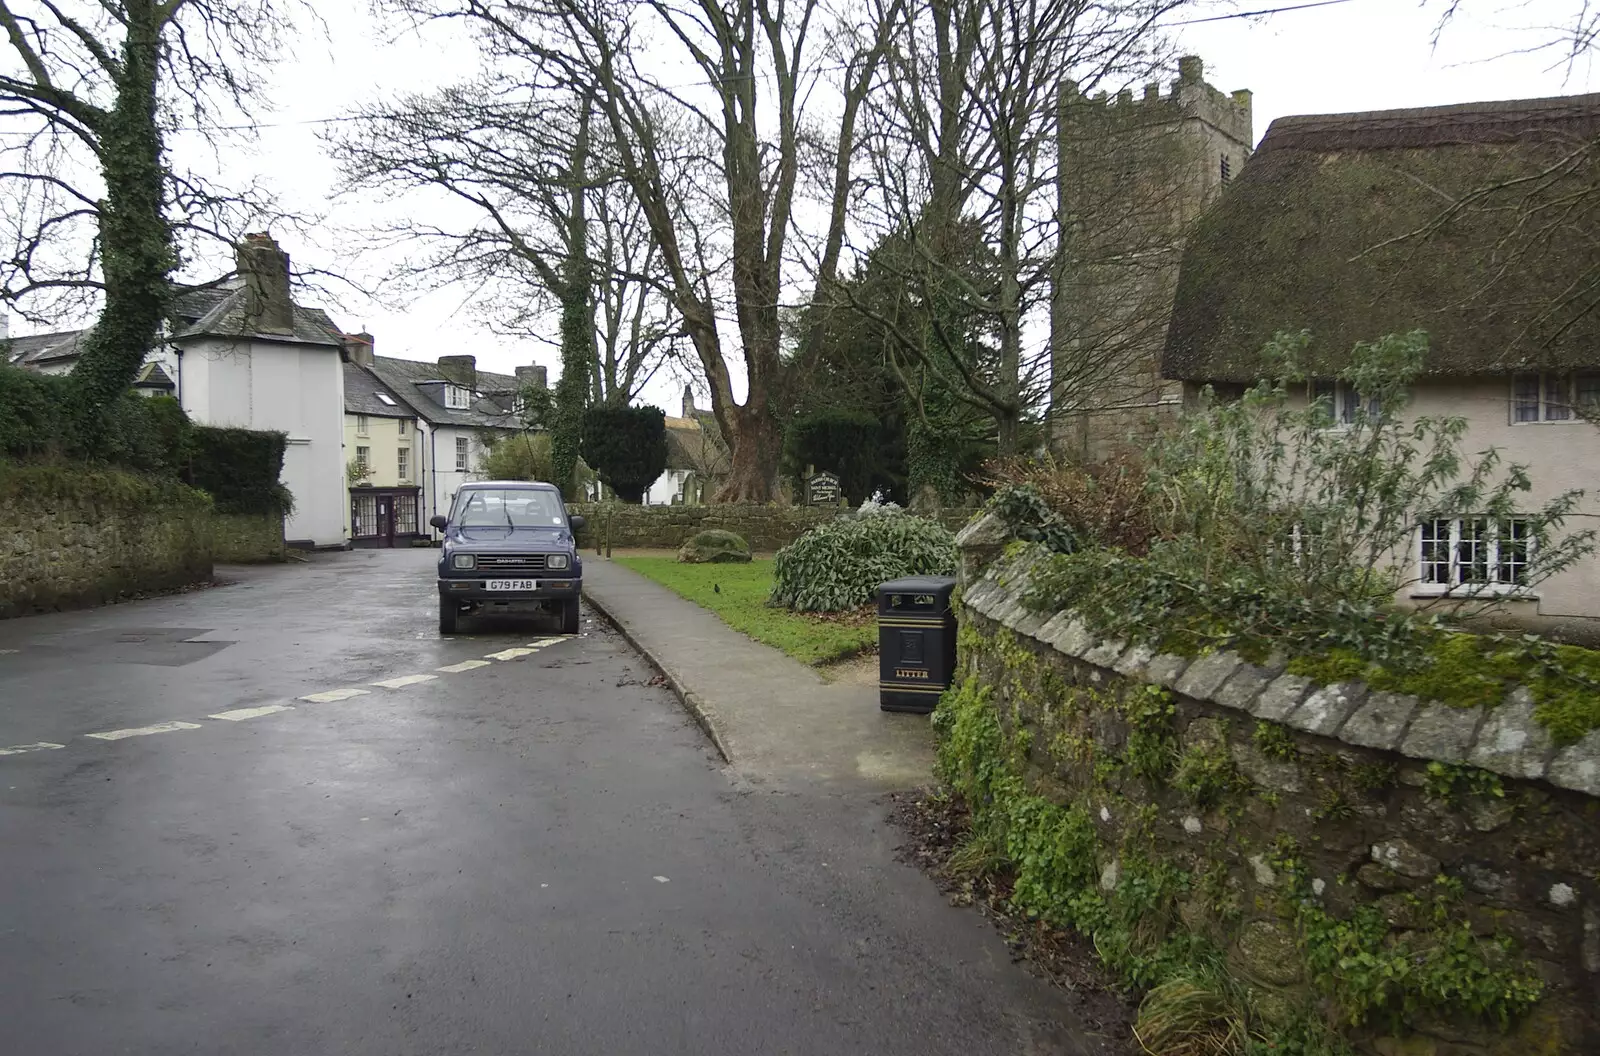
x: 457, y: 398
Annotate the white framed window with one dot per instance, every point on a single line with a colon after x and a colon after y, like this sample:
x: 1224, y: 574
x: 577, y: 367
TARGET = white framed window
x: 1343, y: 402
x: 457, y: 398
x: 403, y: 463
x: 364, y: 459
x: 401, y: 426
x: 1474, y: 554
x: 1552, y: 397
x: 363, y: 425
x: 463, y: 454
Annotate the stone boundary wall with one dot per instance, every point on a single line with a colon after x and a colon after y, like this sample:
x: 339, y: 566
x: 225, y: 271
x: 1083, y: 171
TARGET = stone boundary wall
x: 1352, y: 780
x: 247, y: 538
x: 61, y: 554
x: 765, y: 528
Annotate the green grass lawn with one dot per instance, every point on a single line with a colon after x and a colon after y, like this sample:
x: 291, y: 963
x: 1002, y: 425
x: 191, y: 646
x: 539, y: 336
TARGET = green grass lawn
x: 742, y: 604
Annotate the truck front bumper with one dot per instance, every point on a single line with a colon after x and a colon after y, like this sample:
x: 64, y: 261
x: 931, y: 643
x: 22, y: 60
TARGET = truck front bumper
x: 474, y: 591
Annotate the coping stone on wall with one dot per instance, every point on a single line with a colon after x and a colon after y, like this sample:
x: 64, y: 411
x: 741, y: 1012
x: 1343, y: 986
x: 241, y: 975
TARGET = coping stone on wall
x: 1325, y: 710
x: 1506, y: 740
x: 1577, y: 766
x: 1441, y: 733
x: 1511, y: 742
x: 1380, y: 722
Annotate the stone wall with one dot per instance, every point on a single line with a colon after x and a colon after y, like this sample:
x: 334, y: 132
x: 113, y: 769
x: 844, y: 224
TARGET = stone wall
x: 74, y: 539
x: 765, y: 528
x: 247, y: 538
x: 1302, y: 817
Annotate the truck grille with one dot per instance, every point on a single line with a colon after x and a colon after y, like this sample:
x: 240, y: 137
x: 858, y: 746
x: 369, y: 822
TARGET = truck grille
x: 511, y: 562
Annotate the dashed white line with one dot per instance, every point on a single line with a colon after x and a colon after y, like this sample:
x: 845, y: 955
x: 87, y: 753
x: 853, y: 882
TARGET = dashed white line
x: 511, y: 654
x: 403, y: 681
x: 465, y: 665
x: 9, y: 652
x: 41, y: 746
x: 144, y: 731
x: 542, y: 642
x: 335, y: 694
x: 240, y: 714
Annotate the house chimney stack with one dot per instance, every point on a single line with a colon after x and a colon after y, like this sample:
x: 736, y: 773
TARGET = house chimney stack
x: 362, y: 346
x: 688, y: 401
x: 534, y: 377
x: 463, y: 370
x: 264, y: 268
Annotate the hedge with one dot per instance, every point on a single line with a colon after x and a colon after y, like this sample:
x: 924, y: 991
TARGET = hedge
x: 239, y: 468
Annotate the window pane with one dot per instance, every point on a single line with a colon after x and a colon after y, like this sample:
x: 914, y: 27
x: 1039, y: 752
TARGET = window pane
x: 1587, y: 392
x: 1322, y: 396
x: 1472, y: 553
x: 1557, y: 398
x: 1513, y: 552
x: 1436, y: 551
x: 1525, y: 398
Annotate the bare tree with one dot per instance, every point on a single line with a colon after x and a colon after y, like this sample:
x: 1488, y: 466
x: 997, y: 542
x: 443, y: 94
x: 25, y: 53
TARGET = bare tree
x: 92, y: 206
x: 967, y: 162
x: 753, y: 65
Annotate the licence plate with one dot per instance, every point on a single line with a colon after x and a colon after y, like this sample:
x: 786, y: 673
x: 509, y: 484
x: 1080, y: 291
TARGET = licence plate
x: 512, y: 584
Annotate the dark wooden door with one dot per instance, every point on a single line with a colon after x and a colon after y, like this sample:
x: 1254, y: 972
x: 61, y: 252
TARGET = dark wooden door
x: 385, y: 520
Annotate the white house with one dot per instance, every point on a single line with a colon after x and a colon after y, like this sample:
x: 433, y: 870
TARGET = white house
x: 240, y: 353
x: 456, y: 404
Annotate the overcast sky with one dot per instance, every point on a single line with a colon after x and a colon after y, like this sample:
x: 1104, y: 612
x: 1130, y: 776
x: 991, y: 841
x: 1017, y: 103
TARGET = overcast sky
x: 1347, y: 56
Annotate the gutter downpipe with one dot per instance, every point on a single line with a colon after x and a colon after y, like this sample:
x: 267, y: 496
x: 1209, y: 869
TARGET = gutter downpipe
x: 433, y: 472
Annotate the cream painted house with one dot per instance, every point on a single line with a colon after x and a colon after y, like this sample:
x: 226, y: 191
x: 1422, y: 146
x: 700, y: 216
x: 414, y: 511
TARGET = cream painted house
x: 384, y: 459
x: 1343, y: 226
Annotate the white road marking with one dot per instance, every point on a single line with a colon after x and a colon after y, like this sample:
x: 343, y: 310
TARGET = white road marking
x: 19, y: 749
x: 9, y: 652
x: 465, y: 665
x: 240, y: 714
x: 661, y: 880
x: 144, y: 731
x: 542, y: 642
x: 403, y: 681
x: 511, y: 654
x: 335, y: 694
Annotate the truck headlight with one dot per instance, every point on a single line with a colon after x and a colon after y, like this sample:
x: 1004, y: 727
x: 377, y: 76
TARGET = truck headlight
x: 557, y: 561
x: 464, y: 561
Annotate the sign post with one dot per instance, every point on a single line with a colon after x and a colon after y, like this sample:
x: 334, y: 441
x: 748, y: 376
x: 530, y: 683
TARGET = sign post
x: 822, y: 489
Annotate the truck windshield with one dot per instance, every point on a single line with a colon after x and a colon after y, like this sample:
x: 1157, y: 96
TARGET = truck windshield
x: 508, y: 508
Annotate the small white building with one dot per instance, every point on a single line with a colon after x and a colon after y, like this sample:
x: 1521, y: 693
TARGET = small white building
x: 240, y: 353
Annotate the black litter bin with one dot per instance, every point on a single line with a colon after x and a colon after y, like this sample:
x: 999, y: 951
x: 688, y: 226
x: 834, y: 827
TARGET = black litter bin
x: 916, y: 642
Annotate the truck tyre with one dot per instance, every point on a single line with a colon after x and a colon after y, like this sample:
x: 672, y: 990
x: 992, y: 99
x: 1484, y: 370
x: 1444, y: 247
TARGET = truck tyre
x: 569, y: 616
x: 449, y: 617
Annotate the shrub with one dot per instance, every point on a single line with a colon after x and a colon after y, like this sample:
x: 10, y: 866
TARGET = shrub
x: 39, y: 420
x: 1105, y: 504
x: 240, y: 468
x: 714, y: 546
x: 838, y: 565
x: 524, y: 456
x: 626, y: 446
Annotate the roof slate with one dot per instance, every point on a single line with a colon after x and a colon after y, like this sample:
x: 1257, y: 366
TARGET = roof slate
x: 362, y: 389
x: 1338, y: 225
x: 411, y: 379
x: 219, y: 311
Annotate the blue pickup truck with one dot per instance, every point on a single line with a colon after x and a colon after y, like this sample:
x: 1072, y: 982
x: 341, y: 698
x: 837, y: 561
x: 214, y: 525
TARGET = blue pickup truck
x: 509, y: 547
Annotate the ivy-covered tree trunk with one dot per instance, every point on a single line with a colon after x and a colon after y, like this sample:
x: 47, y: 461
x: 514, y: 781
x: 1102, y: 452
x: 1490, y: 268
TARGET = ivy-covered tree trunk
x: 578, y: 347
x: 137, y: 257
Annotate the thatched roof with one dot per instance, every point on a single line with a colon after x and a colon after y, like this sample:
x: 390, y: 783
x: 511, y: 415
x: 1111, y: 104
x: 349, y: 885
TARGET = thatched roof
x: 1352, y: 226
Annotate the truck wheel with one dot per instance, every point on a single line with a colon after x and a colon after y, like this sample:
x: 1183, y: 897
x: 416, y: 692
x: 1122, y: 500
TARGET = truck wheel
x: 569, y: 616
x: 449, y: 614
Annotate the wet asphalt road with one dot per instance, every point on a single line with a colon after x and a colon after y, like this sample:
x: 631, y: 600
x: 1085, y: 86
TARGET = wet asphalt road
x: 537, y: 855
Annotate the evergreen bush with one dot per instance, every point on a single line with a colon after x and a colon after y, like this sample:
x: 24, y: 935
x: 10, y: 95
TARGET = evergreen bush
x: 626, y: 446
x: 837, y: 566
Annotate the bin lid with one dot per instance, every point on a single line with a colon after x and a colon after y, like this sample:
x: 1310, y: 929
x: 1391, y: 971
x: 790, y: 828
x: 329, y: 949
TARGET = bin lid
x: 916, y: 592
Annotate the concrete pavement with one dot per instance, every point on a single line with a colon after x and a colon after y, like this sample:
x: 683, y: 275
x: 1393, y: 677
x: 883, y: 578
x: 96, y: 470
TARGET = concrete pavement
x: 324, y: 829
x: 774, y: 719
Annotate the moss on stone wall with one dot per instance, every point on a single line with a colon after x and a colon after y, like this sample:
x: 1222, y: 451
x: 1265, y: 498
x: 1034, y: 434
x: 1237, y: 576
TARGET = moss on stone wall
x: 1317, y: 887
x: 72, y: 536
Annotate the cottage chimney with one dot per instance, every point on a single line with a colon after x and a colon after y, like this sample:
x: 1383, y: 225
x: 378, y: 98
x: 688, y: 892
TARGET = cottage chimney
x: 265, y: 271
x: 463, y: 370
x: 362, y: 348
x: 534, y: 377
x: 688, y: 401
x: 5, y: 326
